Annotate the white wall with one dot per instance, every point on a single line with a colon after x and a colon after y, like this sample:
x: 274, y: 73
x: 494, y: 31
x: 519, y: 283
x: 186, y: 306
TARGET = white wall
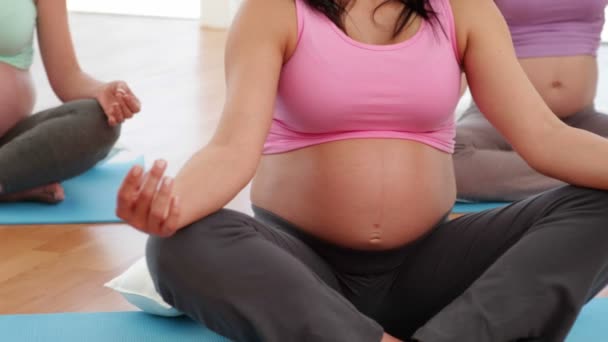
x: 218, y: 13
x: 155, y: 8
x: 213, y: 13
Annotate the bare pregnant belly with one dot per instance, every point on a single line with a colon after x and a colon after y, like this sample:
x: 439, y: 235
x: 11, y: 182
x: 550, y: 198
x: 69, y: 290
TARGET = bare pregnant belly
x: 567, y: 84
x: 367, y: 194
x: 16, y: 96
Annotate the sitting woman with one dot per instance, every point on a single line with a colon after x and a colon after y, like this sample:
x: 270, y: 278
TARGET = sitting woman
x: 343, y: 111
x: 39, y: 151
x: 556, y: 42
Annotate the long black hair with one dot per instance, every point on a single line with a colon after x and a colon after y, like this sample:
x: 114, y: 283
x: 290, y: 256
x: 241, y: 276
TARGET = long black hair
x: 335, y: 10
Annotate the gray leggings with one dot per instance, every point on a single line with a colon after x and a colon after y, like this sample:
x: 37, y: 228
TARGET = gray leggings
x: 487, y: 168
x: 516, y: 273
x: 54, y: 145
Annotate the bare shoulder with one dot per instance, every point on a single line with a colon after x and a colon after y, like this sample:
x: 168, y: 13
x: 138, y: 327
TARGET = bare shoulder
x: 274, y: 20
x: 272, y: 12
x: 473, y: 16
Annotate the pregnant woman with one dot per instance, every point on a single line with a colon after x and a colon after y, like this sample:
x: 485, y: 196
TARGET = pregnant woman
x: 39, y: 151
x: 556, y: 42
x: 342, y: 113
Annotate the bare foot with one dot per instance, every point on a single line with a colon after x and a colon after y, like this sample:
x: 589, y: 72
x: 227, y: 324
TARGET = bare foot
x: 52, y: 193
x: 388, y: 338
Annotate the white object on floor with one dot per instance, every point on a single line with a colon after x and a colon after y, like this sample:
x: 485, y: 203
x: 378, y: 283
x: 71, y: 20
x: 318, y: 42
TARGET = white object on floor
x: 136, y: 286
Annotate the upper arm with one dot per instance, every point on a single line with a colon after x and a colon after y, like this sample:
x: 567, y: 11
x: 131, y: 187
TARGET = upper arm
x: 55, y: 41
x: 497, y: 82
x: 255, y: 53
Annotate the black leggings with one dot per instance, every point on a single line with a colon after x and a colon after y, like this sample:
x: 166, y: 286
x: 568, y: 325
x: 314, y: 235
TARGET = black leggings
x: 54, y: 145
x: 508, y: 274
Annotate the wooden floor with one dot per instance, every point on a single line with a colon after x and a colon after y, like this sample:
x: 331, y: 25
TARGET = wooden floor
x: 176, y: 70
x: 63, y: 268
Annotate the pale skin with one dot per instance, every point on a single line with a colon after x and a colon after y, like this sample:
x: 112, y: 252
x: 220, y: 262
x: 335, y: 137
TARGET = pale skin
x: 68, y: 81
x: 364, y: 194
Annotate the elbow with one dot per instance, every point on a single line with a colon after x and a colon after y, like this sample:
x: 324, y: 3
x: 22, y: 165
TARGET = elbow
x: 63, y: 97
x: 543, y: 153
x: 61, y: 90
x: 249, y: 163
x: 540, y: 162
x: 244, y: 160
x: 63, y: 83
x: 537, y: 154
x: 540, y: 145
x: 245, y: 154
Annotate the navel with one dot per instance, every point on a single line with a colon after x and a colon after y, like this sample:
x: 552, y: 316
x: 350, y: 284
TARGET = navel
x: 376, y: 236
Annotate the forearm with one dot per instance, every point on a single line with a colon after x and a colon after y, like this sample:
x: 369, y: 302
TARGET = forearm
x: 574, y: 156
x: 76, y: 85
x: 211, y: 179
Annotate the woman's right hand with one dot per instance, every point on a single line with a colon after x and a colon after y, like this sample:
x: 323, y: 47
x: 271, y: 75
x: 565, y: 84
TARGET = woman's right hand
x: 146, y: 201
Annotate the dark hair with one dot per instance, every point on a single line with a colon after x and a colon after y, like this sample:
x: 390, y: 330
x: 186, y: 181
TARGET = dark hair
x: 335, y: 10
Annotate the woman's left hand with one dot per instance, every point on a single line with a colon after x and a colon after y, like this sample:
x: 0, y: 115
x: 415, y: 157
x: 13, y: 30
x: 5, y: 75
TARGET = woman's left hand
x: 118, y: 102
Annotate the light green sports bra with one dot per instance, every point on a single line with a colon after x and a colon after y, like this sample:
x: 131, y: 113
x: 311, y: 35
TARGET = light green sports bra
x: 17, y: 24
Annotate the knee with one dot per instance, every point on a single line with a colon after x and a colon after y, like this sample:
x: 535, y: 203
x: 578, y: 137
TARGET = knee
x: 199, y: 236
x: 174, y: 264
x: 199, y: 247
x: 590, y: 222
x: 166, y: 265
x: 97, y: 123
x: 587, y: 199
x: 586, y: 210
x: 597, y: 203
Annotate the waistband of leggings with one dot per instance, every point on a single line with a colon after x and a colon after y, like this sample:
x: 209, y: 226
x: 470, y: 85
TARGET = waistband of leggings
x: 345, y: 259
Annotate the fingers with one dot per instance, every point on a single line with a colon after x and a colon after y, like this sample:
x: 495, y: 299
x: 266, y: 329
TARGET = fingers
x: 110, y: 113
x: 126, y: 111
x: 130, y: 100
x: 119, y: 116
x: 118, y: 102
x: 146, y: 205
x: 109, y: 110
x: 121, y: 89
x: 148, y: 191
x: 128, y: 193
x: 133, y: 103
x: 124, y: 105
x: 160, y: 206
x: 170, y: 225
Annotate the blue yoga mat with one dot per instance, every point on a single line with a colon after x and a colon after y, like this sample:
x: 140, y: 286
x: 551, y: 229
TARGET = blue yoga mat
x: 466, y: 207
x: 89, y: 198
x: 591, y: 326
x: 103, y: 327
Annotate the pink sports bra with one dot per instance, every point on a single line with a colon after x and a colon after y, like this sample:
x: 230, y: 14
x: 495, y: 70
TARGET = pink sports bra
x: 335, y: 88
